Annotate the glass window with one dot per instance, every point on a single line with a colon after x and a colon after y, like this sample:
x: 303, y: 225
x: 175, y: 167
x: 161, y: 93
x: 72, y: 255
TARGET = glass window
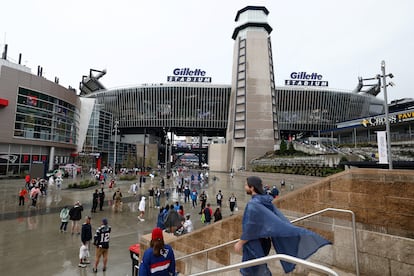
x: 43, y: 117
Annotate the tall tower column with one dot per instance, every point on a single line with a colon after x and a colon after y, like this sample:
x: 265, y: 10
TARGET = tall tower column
x: 252, y: 128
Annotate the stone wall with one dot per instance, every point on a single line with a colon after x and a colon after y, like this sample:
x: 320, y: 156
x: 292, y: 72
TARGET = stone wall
x: 383, y: 203
x: 382, y: 200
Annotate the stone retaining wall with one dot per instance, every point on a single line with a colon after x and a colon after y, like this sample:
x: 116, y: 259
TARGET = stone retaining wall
x: 383, y: 203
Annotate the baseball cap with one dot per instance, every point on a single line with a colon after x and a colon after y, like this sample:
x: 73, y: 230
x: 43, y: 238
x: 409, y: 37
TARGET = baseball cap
x: 256, y: 182
x: 157, y: 234
x: 105, y: 221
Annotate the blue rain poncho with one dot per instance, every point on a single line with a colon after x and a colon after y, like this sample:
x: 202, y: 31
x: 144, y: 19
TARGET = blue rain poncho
x: 262, y: 219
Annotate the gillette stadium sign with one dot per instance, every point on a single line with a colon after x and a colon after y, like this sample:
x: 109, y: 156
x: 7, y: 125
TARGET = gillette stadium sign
x: 188, y: 75
x: 306, y: 79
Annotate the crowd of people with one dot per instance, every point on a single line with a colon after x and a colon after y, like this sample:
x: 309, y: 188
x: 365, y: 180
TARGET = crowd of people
x: 187, y: 189
x: 35, y: 188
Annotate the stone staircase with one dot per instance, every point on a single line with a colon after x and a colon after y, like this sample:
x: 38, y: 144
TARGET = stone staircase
x: 384, y: 234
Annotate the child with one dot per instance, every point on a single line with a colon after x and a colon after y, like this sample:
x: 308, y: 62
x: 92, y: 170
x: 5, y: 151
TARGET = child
x: 83, y: 256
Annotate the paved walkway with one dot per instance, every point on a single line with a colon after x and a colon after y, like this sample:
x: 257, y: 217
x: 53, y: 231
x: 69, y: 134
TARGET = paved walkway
x: 31, y: 243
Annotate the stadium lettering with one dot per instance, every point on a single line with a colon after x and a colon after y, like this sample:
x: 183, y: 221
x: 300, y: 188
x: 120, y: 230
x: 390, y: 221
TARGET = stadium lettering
x: 188, y: 79
x: 306, y: 83
x: 305, y: 76
x: 406, y: 116
x: 188, y: 72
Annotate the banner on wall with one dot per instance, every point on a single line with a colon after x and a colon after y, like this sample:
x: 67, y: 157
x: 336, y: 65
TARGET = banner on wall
x: 382, y: 147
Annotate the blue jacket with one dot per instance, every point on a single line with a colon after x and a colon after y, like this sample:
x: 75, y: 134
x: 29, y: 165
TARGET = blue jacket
x: 163, y: 265
x: 262, y: 219
x: 161, y: 218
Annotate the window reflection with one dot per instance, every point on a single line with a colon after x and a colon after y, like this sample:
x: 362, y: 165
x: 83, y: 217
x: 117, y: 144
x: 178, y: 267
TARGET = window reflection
x: 44, y: 117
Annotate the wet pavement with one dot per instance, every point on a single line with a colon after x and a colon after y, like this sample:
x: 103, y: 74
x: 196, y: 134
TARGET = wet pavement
x: 31, y: 243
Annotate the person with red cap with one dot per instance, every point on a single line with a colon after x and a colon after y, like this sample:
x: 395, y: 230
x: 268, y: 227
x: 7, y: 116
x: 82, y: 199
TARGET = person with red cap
x: 159, y: 259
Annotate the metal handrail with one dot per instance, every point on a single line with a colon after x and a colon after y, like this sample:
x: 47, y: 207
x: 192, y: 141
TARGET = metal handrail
x: 264, y: 260
x: 293, y: 221
x: 206, y: 250
x: 353, y: 229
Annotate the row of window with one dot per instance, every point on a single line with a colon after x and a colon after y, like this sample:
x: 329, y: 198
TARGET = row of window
x: 19, y: 164
x: 44, y: 117
x: 312, y: 110
x: 184, y: 106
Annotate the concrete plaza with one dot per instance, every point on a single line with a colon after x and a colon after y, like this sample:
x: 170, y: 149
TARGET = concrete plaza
x: 31, y: 243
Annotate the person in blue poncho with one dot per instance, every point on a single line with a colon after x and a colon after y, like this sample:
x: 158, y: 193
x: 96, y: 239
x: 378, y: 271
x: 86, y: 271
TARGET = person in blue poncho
x: 263, y: 225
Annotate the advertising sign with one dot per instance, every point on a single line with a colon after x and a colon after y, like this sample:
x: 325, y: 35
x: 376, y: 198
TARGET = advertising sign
x: 188, y: 75
x: 306, y: 79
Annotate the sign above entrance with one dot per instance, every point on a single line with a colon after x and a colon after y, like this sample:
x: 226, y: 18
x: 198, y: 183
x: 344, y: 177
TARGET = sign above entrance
x: 306, y: 79
x: 188, y: 75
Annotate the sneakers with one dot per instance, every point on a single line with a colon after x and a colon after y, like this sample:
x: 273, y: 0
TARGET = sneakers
x: 82, y: 265
x: 86, y: 262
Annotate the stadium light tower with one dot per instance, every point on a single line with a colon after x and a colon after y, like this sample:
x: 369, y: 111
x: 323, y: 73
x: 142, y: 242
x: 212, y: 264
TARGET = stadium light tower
x: 116, y: 125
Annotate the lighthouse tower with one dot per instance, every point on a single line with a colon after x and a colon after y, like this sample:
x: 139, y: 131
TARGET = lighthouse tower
x: 252, y: 128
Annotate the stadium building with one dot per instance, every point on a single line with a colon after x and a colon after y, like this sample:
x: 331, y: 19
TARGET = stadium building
x: 45, y: 123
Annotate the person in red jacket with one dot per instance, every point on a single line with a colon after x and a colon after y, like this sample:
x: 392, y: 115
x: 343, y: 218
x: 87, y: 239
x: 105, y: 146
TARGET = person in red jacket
x: 22, y: 196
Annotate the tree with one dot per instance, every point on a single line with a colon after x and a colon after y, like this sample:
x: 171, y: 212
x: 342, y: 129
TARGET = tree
x: 283, y: 147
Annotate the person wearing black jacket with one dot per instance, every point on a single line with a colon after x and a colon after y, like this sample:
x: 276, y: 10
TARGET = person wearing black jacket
x: 86, y: 233
x: 75, y: 215
x: 101, y: 199
x: 217, y: 215
x: 95, y: 200
x: 86, y: 237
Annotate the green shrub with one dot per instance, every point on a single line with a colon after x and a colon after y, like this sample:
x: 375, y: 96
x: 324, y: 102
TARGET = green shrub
x: 83, y: 184
x: 314, y: 170
x: 127, y: 177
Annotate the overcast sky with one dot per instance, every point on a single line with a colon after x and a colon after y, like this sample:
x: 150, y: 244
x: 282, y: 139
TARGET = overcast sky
x: 143, y: 41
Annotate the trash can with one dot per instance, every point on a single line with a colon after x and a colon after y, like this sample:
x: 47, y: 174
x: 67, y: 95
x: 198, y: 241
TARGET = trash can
x: 134, y: 252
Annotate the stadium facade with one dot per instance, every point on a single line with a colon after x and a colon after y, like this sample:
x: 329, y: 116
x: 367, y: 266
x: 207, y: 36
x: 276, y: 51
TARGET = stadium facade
x: 186, y: 109
x: 43, y: 122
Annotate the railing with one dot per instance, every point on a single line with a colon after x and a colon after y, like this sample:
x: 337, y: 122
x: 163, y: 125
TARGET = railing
x: 265, y: 260
x: 293, y: 221
x: 354, y: 235
x: 206, y: 250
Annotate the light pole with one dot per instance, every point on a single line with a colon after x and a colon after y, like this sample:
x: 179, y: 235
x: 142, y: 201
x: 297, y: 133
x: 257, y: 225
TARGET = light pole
x: 387, y: 120
x: 144, y: 151
x: 116, y: 124
x: 166, y: 154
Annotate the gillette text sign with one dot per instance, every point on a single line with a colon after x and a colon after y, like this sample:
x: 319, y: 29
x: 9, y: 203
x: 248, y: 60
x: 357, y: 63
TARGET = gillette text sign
x: 306, y: 79
x: 188, y: 75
